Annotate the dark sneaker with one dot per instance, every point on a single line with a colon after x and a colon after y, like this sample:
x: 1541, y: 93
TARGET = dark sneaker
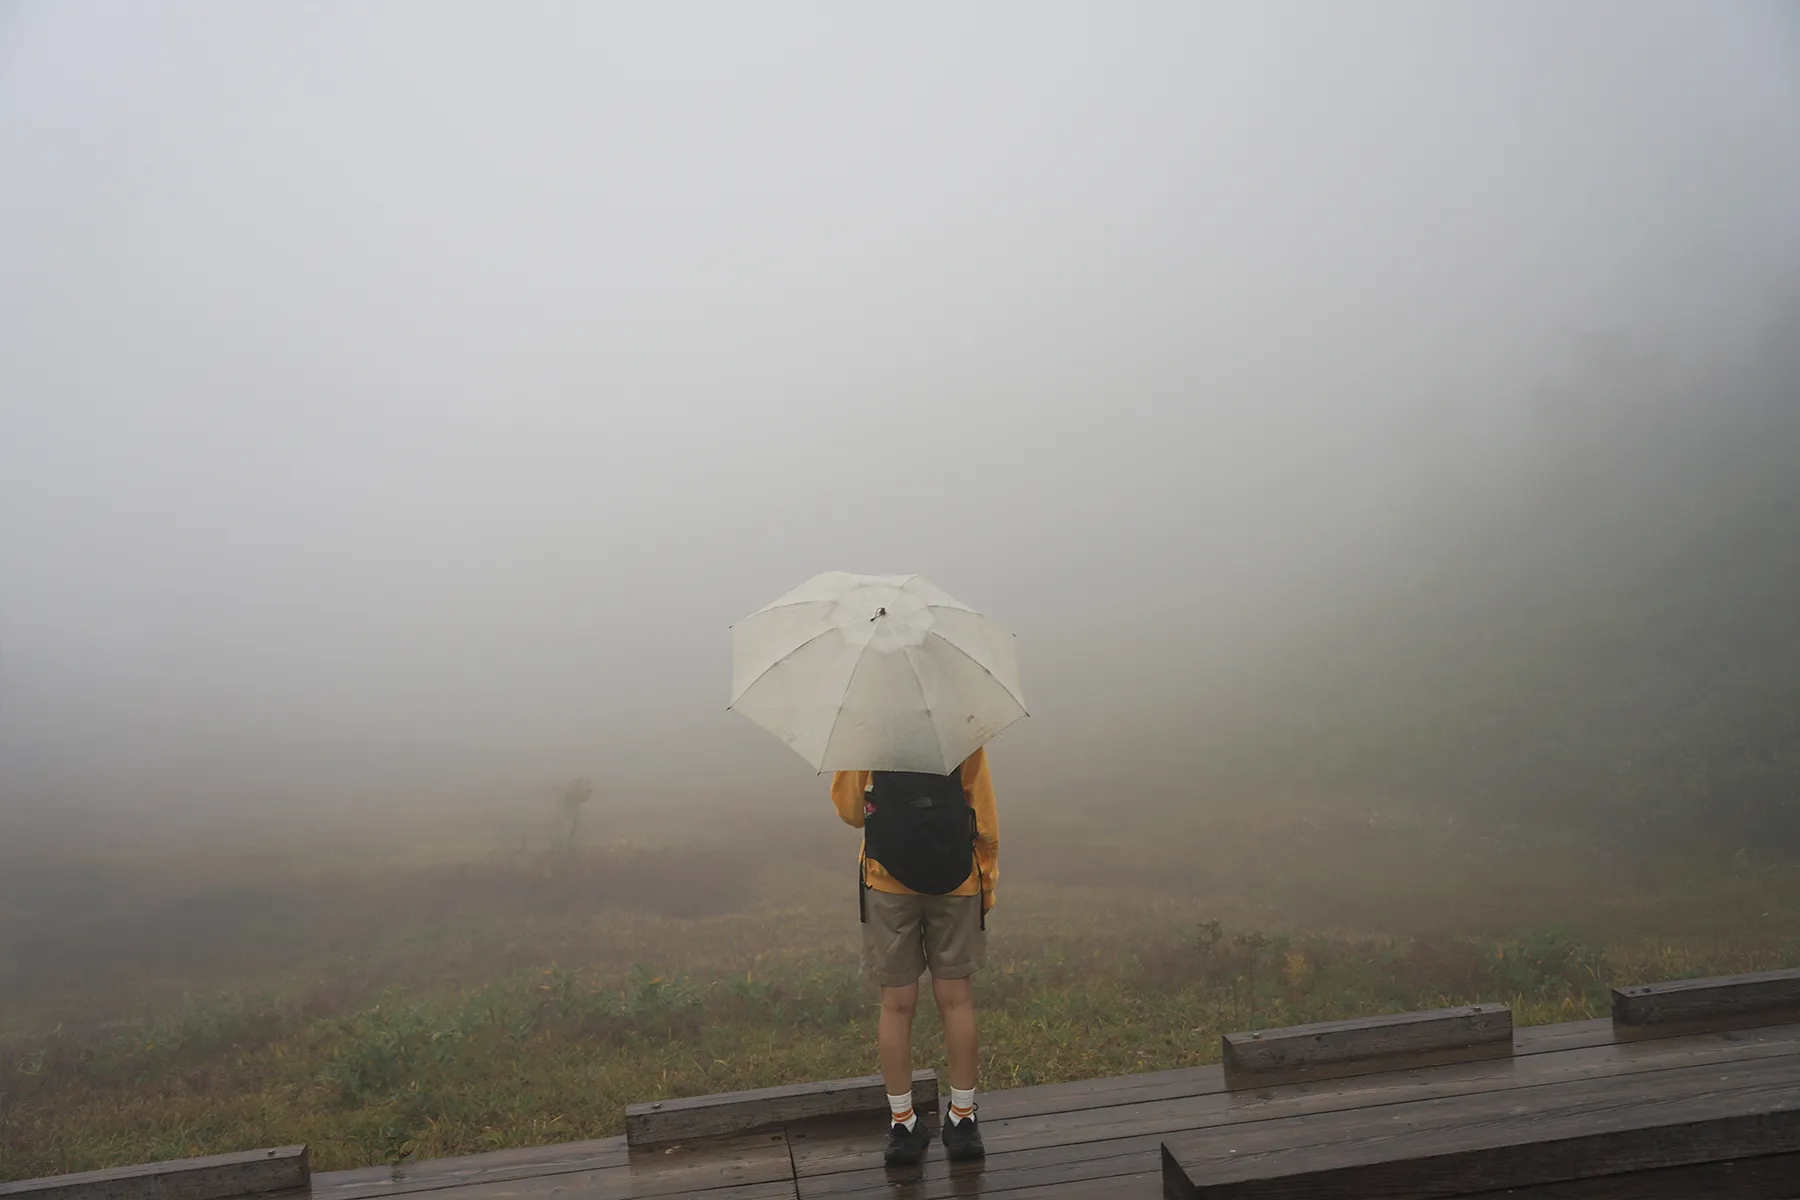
x: 905, y: 1147
x: 962, y: 1139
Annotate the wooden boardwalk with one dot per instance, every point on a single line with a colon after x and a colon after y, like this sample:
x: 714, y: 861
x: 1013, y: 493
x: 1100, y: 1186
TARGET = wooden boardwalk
x: 1646, y: 1108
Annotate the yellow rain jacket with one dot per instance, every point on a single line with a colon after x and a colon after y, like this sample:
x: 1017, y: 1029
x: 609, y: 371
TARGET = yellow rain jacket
x: 847, y: 794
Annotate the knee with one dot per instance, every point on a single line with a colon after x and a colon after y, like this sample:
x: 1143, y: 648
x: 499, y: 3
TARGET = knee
x: 901, y: 1002
x: 953, y: 994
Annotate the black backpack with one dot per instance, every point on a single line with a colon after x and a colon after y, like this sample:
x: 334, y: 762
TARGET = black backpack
x: 921, y: 829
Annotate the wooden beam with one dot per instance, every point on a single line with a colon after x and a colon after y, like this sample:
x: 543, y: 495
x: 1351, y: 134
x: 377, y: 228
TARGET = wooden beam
x: 1482, y: 1028
x: 1702, y: 1003
x: 218, y: 1177
x: 667, y: 1122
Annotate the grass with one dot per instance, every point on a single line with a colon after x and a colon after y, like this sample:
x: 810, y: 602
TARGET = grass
x: 467, y: 1002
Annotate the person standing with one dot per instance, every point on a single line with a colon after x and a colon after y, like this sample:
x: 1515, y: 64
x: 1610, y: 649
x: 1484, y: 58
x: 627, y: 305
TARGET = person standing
x: 927, y: 872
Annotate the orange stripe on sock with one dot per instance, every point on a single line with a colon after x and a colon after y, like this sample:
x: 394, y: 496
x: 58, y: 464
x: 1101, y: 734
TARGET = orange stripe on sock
x: 961, y: 1112
x: 902, y: 1118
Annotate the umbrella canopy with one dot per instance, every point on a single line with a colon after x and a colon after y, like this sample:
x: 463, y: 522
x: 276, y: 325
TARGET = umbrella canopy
x: 875, y: 673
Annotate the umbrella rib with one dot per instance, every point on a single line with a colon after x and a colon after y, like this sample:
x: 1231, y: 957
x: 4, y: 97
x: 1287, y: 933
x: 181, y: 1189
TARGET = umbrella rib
x: 784, y: 605
x: 925, y: 700
x: 789, y: 654
x: 984, y: 668
x: 825, y: 752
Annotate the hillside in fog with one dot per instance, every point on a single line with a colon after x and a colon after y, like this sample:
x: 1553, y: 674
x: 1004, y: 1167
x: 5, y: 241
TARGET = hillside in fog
x: 1613, y: 639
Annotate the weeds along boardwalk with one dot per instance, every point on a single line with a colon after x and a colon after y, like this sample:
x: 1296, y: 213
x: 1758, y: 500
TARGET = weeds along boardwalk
x: 1688, y: 1089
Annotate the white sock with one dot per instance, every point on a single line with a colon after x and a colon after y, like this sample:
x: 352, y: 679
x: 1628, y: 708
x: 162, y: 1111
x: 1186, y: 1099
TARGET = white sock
x: 903, y: 1111
x: 962, y: 1105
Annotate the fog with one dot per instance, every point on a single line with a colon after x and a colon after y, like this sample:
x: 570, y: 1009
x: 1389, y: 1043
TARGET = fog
x: 399, y: 402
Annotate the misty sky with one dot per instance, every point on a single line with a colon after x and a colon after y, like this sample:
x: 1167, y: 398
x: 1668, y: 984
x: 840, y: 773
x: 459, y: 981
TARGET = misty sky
x: 406, y: 395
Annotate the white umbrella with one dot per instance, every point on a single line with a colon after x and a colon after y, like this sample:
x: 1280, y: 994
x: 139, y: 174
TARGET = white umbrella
x: 875, y: 673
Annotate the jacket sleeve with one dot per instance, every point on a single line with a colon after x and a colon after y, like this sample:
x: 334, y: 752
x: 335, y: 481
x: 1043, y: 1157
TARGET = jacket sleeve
x: 978, y: 786
x: 847, y: 795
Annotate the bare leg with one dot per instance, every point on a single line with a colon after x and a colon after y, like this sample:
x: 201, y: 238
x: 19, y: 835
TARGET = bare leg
x: 897, y: 1008
x: 956, y: 1003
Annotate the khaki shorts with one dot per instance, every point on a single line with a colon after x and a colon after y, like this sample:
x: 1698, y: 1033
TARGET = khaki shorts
x: 905, y: 935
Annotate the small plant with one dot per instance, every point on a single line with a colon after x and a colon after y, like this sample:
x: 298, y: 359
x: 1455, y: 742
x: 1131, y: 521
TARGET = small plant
x: 381, y: 1049
x: 397, y: 1143
x: 1550, y: 963
x: 571, y: 799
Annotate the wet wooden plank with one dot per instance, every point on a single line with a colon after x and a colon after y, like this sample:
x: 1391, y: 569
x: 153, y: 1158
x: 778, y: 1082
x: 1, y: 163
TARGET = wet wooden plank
x: 1491, y: 1141
x: 1086, y: 1094
x: 1691, y: 1002
x: 215, y: 1177
x: 1046, y: 1168
x: 853, y: 1150
x: 669, y: 1121
x: 1474, y: 1028
x: 779, y: 1190
x: 436, y: 1174
x: 1144, y: 1185
x: 753, y: 1164
x: 1565, y: 1035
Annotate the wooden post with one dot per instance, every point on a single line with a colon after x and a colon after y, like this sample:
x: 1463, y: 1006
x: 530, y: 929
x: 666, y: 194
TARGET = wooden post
x: 668, y: 1121
x: 219, y: 1177
x: 1722, y: 1001
x: 1478, y: 1029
